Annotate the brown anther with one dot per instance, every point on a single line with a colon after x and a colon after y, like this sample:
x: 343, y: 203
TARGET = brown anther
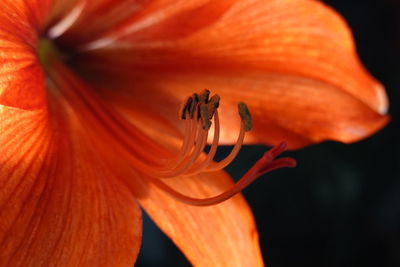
x: 193, y: 106
x: 212, y: 105
x: 204, y: 116
x: 186, y: 108
x: 196, y: 97
x: 245, y: 116
x: 204, y: 96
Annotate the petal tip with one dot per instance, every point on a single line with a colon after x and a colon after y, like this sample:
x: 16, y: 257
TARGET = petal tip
x: 382, y: 100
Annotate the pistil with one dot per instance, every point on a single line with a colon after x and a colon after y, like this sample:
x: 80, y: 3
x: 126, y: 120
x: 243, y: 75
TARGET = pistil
x: 265, y: 164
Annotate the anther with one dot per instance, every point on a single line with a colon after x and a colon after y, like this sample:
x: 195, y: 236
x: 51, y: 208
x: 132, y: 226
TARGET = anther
x: 205, y: 116
x: 186, y: 108
x: 193, y: 106
x: 245, y: 116
x: 204, y: 96
x: 212, y: 105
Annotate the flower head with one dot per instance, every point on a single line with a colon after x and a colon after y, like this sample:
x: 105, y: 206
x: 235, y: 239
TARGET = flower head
x: 89, y: 126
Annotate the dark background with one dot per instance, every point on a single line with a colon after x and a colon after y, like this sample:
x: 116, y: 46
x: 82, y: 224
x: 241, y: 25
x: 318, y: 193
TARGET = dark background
x: 341, y: 205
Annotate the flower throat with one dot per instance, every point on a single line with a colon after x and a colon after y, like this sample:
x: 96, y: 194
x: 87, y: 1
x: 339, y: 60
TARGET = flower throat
x: 47, y: 50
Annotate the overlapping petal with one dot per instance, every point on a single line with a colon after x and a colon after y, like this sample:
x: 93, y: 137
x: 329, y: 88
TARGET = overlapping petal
x: 275, y: 51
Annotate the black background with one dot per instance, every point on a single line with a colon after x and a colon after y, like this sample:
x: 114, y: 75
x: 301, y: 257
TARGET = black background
x: 341, y: 205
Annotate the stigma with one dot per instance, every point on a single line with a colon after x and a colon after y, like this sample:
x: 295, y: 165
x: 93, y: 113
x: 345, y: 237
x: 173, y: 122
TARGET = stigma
x: 199, y: 113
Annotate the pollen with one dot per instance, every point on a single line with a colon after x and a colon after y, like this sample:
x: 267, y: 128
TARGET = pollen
x: 199, y: 112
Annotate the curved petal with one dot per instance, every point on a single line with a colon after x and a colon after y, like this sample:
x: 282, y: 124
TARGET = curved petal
x: 297, y: 109
x: 219, y: 235
x: 59, y: 205
x: 244, y: 54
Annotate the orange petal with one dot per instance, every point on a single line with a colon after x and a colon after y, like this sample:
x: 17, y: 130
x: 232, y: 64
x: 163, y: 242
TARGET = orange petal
x: 219, y: 235
x: 59, y: 204
x: 286, y: 58
x: 24, y: 15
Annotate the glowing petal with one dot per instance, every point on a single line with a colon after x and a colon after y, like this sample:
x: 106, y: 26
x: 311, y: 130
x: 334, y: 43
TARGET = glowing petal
x: 59, y: 204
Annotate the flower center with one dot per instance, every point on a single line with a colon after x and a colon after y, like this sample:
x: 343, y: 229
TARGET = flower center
x: 48, y: 51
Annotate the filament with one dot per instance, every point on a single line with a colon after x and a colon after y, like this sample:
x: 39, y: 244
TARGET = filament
x: 213, y: 149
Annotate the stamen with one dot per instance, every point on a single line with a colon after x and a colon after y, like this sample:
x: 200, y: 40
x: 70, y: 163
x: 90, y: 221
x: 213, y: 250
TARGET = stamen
x: 245, y: 116
x: 199, y: 147
x: 200, y: 167
x: 186, y: 108
x: 205, y: 116
x: 213, y: 105
x: 186, y: 145
x: 199, y: 110
x: 206, y: 108
x: 234, y: 152
x: 194, y: 106
x: 263, y: 165
x: 188, y: 161
x: 204, y: 96
x: 245, y: 126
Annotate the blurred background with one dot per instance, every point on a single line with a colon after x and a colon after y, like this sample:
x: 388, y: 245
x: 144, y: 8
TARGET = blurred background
x: 341, y: 205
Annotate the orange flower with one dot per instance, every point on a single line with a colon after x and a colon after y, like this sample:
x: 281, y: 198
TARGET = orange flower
x: 88, y: 124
